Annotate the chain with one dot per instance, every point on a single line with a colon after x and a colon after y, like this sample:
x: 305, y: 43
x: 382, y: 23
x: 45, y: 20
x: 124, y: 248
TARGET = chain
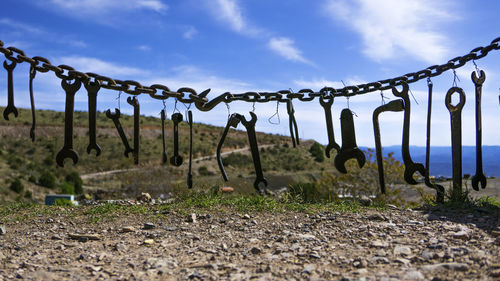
x: 188, y: 95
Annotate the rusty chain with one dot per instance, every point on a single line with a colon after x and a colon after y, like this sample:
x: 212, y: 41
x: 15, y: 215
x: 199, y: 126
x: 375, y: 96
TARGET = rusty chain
x: 188, y: 95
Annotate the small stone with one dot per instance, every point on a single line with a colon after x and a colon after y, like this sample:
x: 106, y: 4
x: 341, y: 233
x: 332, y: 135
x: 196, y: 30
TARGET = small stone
x: 402, y: 250
x: 3, y: 230
x: 460, y: 235
x: 413, y: 275
x: 149, y: 225
x: 379, y: 244
x: 451, y: 266
x: 393, y: 207
x: 56, y: 237
x: 144, y: 197
x: 376, y: 217
x: 120, y: 247
x: 494, y: 233
x: 255, y: 250
x: 426, y: 255
x: 191, y: 218
x: 77, y: 236
x: 365, y: 200
x: 402, y: 261
x: 246, y: 216
x: 149, y: 241
x: 314, y: 255
x: 127, y: 229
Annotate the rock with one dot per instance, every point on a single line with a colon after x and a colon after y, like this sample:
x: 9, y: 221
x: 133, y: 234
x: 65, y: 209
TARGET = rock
x: 120, y: 247
x: 402, y: 250
x: 314, y: 255
x: 451, y: 266
x: 376, y: 217
x: 148, y: 242
x: 127, y: 229
x: 246, y: 216
x: 359, y: 263
x: 255, y: 250
x: 3, y: 230
x: 379, y: 244
x: 144, y: 197
x: 392, y: 207
x: 460, y: 235
x: 413, y: 275
x: 494, y: 233
x: 426, y: 255
x: 149, y: 225
x: 365, y: 200
x: 402, y: 261
x: 191, y: 218
x: 80, y: 237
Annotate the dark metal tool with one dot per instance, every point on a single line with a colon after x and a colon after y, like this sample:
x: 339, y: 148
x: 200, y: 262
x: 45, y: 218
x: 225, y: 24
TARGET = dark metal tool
x: 92, y: 88
x: 164, y: 154
x: 439, y: 188
x: 395, y: 106
x: 67, y: 150
x: 456, y: 135
x: 254, y: 148
x: 349, y: 147
x: 479, y: 177
x: 135, y: 103
x: 32, y: 101
x: 410, y: 167
x: 116, y: 120
x: 233, y: 121
x: 176, y: 159
x: 327, y: 103
x: 11, y: 108
x: 190, y: 171
x: 294, y: 131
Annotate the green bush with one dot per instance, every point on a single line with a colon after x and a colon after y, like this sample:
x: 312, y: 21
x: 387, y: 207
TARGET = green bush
x: 28, y: 194
x: 203, y: 170
x: 47, y: 179
x: 48, y: 161
x: 77, y: 182
x: 67, y: 188
x: 17, y: 186
x: 237, y: 160
x: 317, y: 152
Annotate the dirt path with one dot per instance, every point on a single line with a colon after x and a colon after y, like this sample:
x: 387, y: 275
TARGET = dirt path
x: 224, y: 245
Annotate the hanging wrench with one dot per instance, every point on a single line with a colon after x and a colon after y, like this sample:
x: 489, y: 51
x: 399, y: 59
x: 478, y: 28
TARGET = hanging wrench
x: 456, y: 135
x: 254, y: 148
x: 190, y: 171
x: 349, y: 147
x: 176, y: 160
x: 327, y: 106
x: 395, y: 106
x: 439, y: 188
x: 233, y: 121
x: 410, y: 166
x: 92, y: 89
x: 479, y: 177
x: 10, y: 90
x: 135, y: 103
x: 164, y: 154
x: 292, y: 123
x: 32, y: 101
x: 116, y: 120
x: 67, y: 150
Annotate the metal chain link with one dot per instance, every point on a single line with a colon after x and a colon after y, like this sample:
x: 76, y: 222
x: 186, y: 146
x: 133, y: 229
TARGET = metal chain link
x: 188, y: 95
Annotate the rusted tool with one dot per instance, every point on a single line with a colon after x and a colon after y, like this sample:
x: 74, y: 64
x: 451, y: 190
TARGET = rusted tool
x: 254, y: 148
x: 349, y: 147
x: 116, y: 120
x: 92, y: 88
x: 190, y: 171
x: 135, y: 103
x: 439, y: 188
x: 410, y: 167
x: 479, y: 177
x: 294, y: 131
x: 164, y: 154
x: 67, y: 150
x: 327, y: 103
x: 232, y: 121
x: 395, y: 106
x: 176, y: 159
x: 32, y: 102
x: 11, y: 108
x: 456, y: 135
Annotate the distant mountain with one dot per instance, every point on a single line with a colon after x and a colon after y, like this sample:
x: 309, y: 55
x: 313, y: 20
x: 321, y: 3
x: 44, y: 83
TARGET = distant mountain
x: 441, y: 159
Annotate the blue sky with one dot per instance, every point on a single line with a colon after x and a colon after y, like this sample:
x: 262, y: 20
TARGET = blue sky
x: 259, y: 45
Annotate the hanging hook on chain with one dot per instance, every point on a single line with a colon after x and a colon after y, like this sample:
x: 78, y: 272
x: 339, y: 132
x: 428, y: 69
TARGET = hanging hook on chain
x: 228, y: 111
x: 277, y: 114
x: 455, y: 79
x: 347, y: 98
x: 118, y: 99
x: 476, y: 67
x: 413, y: 97
x: 175, y: 108
x: 383, y: 97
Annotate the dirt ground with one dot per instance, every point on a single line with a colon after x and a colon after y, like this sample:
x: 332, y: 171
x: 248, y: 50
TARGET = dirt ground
x: 224, y: 245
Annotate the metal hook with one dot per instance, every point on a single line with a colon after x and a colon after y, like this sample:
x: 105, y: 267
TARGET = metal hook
x: 277, y: 114
x: 118, y: 98
x: 475, y: 66
x: 383, y: 97
x: 228, y: 111
x: 455, y: 78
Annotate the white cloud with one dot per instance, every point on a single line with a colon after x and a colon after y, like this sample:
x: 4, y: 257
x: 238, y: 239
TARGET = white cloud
x: 392, y: 28
x: 20, y: 26
x: 100, y: 7
x: 229, y: 12
x: 144, y: 48
x: 285, y: 47
x: 87, y: 64
x: 190, y: 32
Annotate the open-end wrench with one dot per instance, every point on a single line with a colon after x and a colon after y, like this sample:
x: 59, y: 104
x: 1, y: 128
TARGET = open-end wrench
x: 292, y: 123
x: 190, y: 171
x: 176, y: 159
x: 164, y: 154
x: 254, y: 148
x: 67, y: 150
x: 92, y: 89
x: 395, y: 106
x: 456, y: 135
x: 11, y: 108
x: 410, y: 167
x: 233, y: 121
x: 439, y: 188
x: 32, y: 102
x: 327, y: 106
x: 349, y: 147
x: 479, y: 177
x: 135, y: 103
x: 116, y: 120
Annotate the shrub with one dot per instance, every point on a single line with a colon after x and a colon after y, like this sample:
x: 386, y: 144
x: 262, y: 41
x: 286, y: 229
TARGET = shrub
x: 77, y: 182
x: 47, y: 179
x: 28, y: 194
x: 237, y: 160
x: 17, y: 186
x: 48, y: 161
x: 203, y: 170
x: 67, y: 188
x: 317, y: 152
